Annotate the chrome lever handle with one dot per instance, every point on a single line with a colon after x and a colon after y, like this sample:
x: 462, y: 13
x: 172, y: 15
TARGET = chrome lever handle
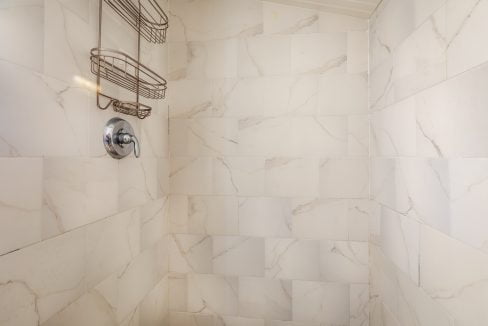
x: 126, y: 138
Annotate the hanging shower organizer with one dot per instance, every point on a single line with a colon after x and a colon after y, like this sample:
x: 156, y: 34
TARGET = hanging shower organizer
x: 150, y: 22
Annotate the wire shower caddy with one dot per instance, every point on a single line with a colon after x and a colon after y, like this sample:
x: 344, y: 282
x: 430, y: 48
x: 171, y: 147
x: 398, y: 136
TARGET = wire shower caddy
x: 150, y: 22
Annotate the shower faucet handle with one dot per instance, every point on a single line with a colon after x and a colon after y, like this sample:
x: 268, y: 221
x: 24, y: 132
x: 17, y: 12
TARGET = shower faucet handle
x: 126, y: 139
x: 119, y: 139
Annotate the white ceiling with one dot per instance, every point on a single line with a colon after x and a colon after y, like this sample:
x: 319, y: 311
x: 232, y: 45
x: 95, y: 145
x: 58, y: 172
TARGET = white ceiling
x: 359, y: 8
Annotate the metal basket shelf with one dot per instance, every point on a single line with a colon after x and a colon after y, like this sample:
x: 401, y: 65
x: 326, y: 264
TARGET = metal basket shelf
x: 135, y: 109
x: 153, y: 20
x: 125, y: 71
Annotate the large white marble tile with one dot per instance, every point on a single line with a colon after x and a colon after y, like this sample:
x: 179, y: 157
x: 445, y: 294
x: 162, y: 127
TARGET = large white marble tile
x: 319, y: 136
x: 358, y: 135
x: 318, y: 53
x: 191, y: 319
x: 190, y: 253
x: 242, y: 176
x: 20, y: 202
x: 265, y: 298
x: 359, y: 305
x: 178, y: 292
x: 138, y: 181
x: 203, y: 136
x: 344, y: 261
x: 454, y: 275
x: 264, y: 56
x: 126, y: 289
x: 154, y: 308
x: 344, y: 178
x: 284, y: 19
x: 241, y: 256
x: 357, y: 52
x: 154, y: 221
x: 450, y: 117
x: 77, y: 192
x: 324, y: 303
x: 22, y: 33
x: 50, y: 103
x: 265, y: 217
x: 90, y: 309
x: 213, y: 294
x: 465, y: 23
x: 320, y: 218
x: 303, y: 95
x: 264, y: 136
x: 291, y: 176
x: 394, y: 130
x: 202, y: 21
x: 292, y: 259
x: 40, y: 280
x: 191, y: 175
x: 111, y: 244
x: 400, y: 242
x: 343, y: 94
x: 331, y: 22
x: 214, y: 59
x: 70, y: 31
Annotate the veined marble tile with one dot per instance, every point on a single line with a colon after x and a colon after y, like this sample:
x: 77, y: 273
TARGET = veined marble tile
x: 154, y: 220
x: 265, y: 298
x: 264, y: 56
x: 238, y: 321
x: 264, y: 136
x: 24, y: 47
x: 345, y: 262
x: 394, y: 130
x: 126, y: 288
x: 154, y: 308
x: 265, y: 217
x: 357, y: 52
x: 359, y: 305
x: 213, y: 294
x: 324, y: 303
x: 111, y: 244
x: 343, y: 94
x: 242, y: 176
x: 284, y: 19
x: 331, y: 22
x: 360, y: 213
x: 154, y: 136
x: 319, y: 136
x: 292, y: 259
x: 190, y: 253
x: 400, y: 242
x: 90, y: 309
x: 344, y: 178
x: 203, y: 136
x: 291, y: 177
x: 191, y: 175
x: 20, y: 202
x: 318, y: 53
x: 212, y: 59
x: 465, y: 22
x: 241, y: 256
x: 320, y: 218
x: 178, y: 292
x: 50, y: 103
x: 303, y: 95
x: 202, y: 21
x: 454, y: 275
x: 59, y: 279
x: 77, y: 192
x: 191, y: 319
x: 358, y: 135
x: 66, y: 49
x: 138, y: 181
x: 450, y: 117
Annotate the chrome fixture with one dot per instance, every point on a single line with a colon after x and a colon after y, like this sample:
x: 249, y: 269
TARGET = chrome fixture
x: 119, y: 139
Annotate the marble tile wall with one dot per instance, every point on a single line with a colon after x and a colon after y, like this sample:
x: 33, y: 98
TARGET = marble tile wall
x: 269, y: 177
x: 83, y: 237
x: 428, y: 237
